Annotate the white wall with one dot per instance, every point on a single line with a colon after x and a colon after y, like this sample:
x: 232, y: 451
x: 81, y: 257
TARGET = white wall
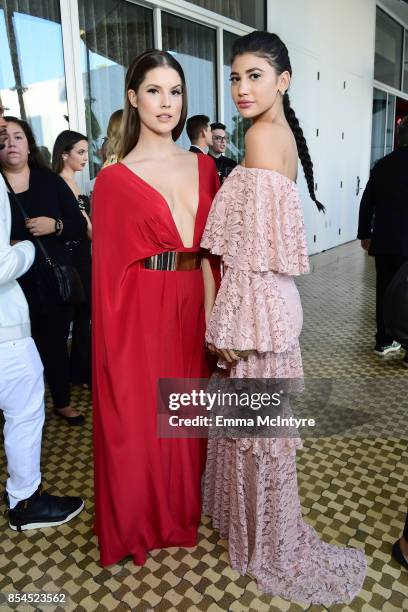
x: 336, y: 39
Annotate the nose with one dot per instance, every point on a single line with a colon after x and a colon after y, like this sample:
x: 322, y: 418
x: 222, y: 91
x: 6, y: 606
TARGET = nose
x: 165, y: 100
x: 243, y: 87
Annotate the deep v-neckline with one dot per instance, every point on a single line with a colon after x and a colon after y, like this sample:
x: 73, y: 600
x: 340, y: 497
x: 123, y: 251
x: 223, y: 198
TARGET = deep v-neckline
x: 167, y: 205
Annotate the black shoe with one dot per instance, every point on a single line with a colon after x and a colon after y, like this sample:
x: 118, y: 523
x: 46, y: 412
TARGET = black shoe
x: 71, y: 420
x: 43, y: 510
x: 405, y: 360
x: 396, y: 554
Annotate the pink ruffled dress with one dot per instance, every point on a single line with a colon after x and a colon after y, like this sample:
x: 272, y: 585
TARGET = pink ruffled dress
x: 250, y: 484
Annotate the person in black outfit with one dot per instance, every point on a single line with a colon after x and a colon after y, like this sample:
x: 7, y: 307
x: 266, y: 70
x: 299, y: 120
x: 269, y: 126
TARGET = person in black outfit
x: 54, y: 217
x: 199, y: 133
x: 400, y: 548
x: 70, y: 155
x: 383, y: 226
x: 217, y: 149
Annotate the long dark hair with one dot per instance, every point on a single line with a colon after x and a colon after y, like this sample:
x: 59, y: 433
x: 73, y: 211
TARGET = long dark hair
x: 272, y: 49
x: 35, y: 158
x: 64, y: 143
x: 130, y: 129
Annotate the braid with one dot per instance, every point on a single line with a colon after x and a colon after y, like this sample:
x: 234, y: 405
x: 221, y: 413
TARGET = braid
x: 303, y: 151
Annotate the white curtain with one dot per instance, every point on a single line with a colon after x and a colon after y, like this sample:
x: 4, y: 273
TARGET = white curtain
x: 194, y: 46
x: 113, y: 33
x: 227, y: 8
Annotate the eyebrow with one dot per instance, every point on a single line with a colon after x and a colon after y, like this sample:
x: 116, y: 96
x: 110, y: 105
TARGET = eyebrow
x: 160, y: 86
x: 248, y: 71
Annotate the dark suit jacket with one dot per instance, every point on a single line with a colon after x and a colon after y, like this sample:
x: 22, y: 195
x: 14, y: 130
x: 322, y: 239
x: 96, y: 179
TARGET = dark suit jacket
x: 195, y: 149
x: 224, y: 165
x: 384, y: 206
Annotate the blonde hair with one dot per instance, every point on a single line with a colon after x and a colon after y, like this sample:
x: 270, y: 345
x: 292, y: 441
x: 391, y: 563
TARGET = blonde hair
x: 113, y: 134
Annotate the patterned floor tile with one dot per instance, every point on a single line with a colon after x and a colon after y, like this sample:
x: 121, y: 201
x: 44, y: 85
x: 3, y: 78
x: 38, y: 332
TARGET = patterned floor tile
x: 353, y: 484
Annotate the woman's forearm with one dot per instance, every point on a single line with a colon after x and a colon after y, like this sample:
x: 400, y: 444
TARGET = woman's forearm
x: 209, y: 288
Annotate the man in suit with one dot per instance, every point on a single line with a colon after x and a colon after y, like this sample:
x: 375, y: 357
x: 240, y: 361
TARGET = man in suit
x: 383, y: 226
x: 199, y: 133
x: 217, y: 149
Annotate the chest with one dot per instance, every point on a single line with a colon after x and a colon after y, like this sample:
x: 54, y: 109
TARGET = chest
x: 178, y: 185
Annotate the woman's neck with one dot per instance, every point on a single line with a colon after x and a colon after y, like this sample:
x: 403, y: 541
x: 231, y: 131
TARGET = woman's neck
x: 274, y: 114
x: 69, y: 178
x: 19, y: 178
x: 17, y: 171
x: 68, y: 174
x: 150, y: 143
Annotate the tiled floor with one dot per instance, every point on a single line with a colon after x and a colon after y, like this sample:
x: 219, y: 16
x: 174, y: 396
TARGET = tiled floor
x: 353, y: 484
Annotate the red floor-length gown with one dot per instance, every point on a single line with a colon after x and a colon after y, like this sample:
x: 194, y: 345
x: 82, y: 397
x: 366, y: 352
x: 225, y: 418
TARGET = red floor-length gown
x: 147, y: 324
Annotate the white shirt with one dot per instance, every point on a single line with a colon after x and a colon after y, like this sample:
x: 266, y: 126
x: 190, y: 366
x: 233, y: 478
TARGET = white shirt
x: 14, y: 262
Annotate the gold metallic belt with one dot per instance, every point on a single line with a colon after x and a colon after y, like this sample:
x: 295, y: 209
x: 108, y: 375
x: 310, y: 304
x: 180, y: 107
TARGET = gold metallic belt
x: 173, y: 261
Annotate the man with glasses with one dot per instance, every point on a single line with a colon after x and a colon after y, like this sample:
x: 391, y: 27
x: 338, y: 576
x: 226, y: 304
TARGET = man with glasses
x: 217, y: 149
x: 22, y: 387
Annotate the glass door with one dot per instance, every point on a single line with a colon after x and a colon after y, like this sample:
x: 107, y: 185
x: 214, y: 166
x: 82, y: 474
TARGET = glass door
x: 382, y: 133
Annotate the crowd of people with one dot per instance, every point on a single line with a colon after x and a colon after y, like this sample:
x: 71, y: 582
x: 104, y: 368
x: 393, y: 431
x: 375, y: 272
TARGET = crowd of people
x: 163, y: 224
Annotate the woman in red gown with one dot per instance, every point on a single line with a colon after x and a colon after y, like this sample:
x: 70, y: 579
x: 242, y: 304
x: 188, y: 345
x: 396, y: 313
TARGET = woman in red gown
x: 149, y: 315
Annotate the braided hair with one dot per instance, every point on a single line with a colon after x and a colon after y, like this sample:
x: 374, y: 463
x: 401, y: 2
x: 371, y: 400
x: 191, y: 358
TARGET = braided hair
x: 272, y: 49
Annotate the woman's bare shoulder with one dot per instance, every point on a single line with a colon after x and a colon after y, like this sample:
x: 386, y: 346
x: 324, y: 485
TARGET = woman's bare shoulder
x: 267, y: 145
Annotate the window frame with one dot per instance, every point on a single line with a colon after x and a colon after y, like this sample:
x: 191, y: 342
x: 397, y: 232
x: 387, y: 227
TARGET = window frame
x: 380, y: 8
x: 179, y: 8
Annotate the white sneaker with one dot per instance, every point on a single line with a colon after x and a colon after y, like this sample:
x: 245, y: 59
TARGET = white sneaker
x: 389, y: 348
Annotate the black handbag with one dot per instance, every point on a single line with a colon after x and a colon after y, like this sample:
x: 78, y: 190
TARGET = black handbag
x: 69, y: 284
x: 396, y: 306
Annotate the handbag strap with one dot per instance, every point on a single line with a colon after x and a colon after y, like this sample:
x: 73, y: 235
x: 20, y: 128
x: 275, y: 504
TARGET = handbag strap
x: 25, y: 216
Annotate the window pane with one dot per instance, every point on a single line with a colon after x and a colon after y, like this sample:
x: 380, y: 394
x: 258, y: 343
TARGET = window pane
x: 388, y: 50
x: 405, y: 84
x: 389, y: 135
x: 250, y: 13
x: 236, y: 126
x: 193, y: 45
x: 32, y: 80
x: 112, y: 35
x: 378, y: 127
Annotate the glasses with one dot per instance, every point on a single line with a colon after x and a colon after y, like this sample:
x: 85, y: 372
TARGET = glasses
x: 220, y: 138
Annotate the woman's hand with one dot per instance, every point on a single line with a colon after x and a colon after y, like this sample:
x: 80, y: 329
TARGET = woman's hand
x: 40, y: 226
x: 227, y: 355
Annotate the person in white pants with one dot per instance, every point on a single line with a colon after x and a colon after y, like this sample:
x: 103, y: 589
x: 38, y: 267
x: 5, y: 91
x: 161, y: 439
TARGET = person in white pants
x: 22, y: 388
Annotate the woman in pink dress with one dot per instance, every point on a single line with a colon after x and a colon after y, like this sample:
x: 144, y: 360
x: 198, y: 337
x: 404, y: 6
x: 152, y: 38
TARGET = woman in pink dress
x: 256, y: 225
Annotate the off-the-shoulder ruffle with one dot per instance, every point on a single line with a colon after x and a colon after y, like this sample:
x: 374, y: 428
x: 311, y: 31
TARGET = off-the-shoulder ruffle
x: 255, y: 311
x: 256, y: 223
